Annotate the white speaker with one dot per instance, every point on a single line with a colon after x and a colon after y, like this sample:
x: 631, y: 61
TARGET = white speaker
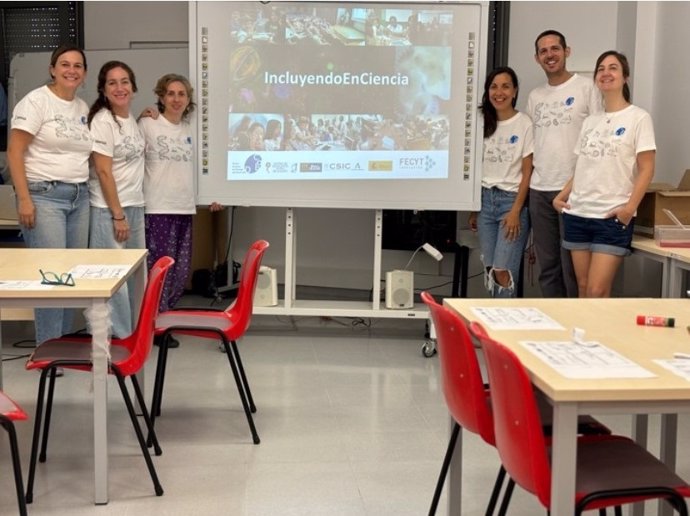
x: 399, y: 289
x: 266, y: 293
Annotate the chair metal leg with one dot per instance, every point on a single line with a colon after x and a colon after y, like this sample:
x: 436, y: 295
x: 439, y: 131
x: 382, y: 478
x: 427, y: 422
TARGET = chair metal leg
x: 160, y: 374
x: 16, y: 465
x: 34, y: 440
x: 49, y: 413
x: 137, y: 429
x: 496, y: 491
x: 145, y: 413
x: 444, y: 468
x: 236, y: 350
x: 240, y: 389
x: 503, y: 510
x: 158, y: 385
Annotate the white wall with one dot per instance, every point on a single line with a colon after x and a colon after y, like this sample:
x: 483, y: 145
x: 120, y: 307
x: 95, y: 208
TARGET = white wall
x: 589, y: 28
x: 335, y: 248
x: 670, y: 80
x: 112, y: 25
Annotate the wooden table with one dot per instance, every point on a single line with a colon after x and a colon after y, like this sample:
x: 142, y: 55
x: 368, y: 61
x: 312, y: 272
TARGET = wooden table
x: 612, y: 323
x: 23, y: 264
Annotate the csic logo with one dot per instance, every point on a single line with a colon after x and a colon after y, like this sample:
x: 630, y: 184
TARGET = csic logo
x: 253, y: 164
x: 342, y: 166
x: 311, y: 167
x: 381, y: 166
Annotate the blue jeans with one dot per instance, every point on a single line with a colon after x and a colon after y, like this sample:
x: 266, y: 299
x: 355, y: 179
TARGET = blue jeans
x: 102, y: 236
x: 497, y: 251
x: 62, y: 221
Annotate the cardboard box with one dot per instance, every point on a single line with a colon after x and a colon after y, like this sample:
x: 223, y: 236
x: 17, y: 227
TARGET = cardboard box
x: 662, y: 196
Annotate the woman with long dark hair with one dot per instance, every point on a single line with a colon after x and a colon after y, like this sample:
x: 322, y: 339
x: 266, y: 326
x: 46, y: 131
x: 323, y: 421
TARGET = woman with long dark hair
x: 117, y: 177
x: 503, y: 221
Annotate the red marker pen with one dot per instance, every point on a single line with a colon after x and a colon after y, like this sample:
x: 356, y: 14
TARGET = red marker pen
x: 653, y: 320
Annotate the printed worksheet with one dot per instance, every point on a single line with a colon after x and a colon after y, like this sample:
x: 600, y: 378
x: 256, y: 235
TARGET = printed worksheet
x: 581, y: 360
x: 679, y: 366
x: 98, y: 271
x: 515, y: 318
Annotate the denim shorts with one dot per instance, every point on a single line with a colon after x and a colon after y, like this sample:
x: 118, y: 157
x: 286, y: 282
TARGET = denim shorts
x: 607, y: 236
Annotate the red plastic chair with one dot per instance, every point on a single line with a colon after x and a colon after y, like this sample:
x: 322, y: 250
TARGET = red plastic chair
x: 228, y: 325
x: 128, y: 356
x: 9, y: 413
x: 611, y: 470
x: 468, y: 397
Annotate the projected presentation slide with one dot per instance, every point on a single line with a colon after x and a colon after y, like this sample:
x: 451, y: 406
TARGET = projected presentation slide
x: 330, y: 92
x: 349, y: 104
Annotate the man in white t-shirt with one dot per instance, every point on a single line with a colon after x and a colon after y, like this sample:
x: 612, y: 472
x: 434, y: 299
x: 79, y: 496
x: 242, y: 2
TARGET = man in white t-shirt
x: 557, y: 109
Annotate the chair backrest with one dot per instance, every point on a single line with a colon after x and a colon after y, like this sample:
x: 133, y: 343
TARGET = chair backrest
x: 241, y: 309
x: 518, y: 428
x: 10, y: 410
x: 461, y: 377
x: 141, y: 340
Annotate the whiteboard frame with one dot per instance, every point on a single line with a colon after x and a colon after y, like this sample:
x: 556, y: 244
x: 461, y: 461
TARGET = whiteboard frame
x: 207, y: 193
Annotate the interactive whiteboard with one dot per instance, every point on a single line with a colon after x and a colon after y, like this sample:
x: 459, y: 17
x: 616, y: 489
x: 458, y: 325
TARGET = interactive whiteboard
x: 339, y: 104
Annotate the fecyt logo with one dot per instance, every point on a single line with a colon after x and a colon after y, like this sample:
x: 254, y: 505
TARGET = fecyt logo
x: 425, y: 163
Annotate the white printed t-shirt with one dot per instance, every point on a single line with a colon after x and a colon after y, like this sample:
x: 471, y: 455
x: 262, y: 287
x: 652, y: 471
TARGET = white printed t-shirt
x: 61, y: 144
x: 125, y: 144
x: 169, y: 178
x: 606, y: 160
x: 504, y: 151
x: 557, y: 113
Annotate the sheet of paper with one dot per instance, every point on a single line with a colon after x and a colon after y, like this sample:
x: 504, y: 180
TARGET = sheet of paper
x: 525, y: 318
x: 24, y: 285
x: 98, y: 271
x: 582, y: 360
x: 679, y: 366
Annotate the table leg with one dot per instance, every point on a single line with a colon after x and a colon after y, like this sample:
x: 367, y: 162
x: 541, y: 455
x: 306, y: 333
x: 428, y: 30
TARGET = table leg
x: 639, y: 434
x: 454, y: 487
x: 667, y: 454
x: 97, y: 317
x: 564, y: 459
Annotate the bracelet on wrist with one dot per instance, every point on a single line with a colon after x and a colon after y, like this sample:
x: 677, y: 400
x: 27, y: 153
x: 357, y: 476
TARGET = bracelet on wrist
x: 119, y: 219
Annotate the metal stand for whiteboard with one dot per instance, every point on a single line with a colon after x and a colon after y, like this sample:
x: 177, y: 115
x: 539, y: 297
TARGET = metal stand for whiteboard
x: 290, y: 305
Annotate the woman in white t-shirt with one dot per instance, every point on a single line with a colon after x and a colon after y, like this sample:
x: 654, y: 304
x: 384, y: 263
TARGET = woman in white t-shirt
x: 615, y: 164
x: 117, y: 178
x: 503, y: 221
x: 48, y: 154
x: 169, y: 182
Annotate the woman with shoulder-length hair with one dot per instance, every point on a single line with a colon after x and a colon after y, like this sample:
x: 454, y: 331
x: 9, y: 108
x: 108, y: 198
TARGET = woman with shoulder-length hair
x: 615, y: 164
x: 48, y: 156
x: 169, y: 181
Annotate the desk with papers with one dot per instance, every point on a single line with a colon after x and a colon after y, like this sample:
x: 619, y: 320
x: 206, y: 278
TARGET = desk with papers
x: 649, y: 386
x: 20, y: 287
